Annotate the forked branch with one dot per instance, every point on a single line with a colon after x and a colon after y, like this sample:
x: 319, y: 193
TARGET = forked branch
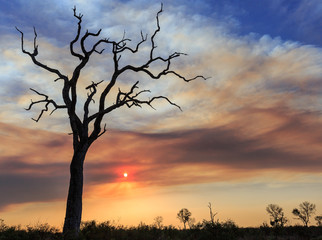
x: 130, y: 98
x: 167, y: 61
x: 121, y: 46
x: 47, y: 101
x: 93, y: 89
x: 71, y: 45
x: 86, y: 54
x: 35, y: 53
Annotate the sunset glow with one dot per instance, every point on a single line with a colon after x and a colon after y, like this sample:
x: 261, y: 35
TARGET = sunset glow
x: 248, y: 136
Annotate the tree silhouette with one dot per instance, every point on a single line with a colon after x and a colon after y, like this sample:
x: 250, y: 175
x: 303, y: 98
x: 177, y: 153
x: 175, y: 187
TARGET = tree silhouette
x: 318, y: 220
x: 158, y: 222
x: 304, y: 212
x: 184, y: 216
x: 87, y: 128
x: 277, y: 215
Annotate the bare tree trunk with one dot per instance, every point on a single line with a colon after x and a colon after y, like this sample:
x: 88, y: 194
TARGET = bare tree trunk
x: 75, y: 192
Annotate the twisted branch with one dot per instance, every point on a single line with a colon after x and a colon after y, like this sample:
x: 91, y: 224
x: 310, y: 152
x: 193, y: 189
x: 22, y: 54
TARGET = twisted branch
x: 130, y: 98
x: 71, y: 45
x: 93, y: 89
x: 47, y: 101
x: 120, y: 48
x: 35, y: 53
x: 155, y: 32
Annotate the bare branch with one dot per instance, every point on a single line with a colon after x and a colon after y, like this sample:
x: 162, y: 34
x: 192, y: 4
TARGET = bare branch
x: 22, y: 44
x: 35, y: 42
x: 47, y: 102
x: 71, y: 45
x: 136, y: 102
x: 35, y: 53
x: 130, y: 99
x: 105, y: 40
x: 93, y: 85
x: 126, y: 95
x: 99, y: 52
x: 124, y: 47
x: 187, y: 79
x: 92, y: 89
x: 155, y: 32
x: 82, y: 42
x: 212, y: 215
x: 145, y: 67
x: 59, y: 78
x: 165, y: 71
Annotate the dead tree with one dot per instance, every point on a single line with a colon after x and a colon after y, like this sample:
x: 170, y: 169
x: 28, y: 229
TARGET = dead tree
x: 89, y: 127
x: 212, y: 215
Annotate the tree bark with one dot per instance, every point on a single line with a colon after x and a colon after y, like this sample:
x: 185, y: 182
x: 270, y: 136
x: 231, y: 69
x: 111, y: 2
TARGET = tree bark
x: 75, y: 192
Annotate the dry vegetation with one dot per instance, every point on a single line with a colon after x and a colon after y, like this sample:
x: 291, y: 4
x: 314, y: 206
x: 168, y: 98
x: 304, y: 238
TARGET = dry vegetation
x: 92, y: 230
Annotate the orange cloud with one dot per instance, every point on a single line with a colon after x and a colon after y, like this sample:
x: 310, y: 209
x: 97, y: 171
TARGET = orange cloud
x: 34, y: 163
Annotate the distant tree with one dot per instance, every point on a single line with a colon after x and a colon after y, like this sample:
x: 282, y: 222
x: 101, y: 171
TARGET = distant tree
x: 87, y: 123
x: 318, y: 220
x: 304, y: 212
x: 184, y: 216
x: 158, y: 222
x: 277, y: 218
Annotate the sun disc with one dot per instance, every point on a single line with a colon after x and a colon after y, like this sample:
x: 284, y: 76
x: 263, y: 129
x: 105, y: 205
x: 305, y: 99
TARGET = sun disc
x: 125, y: 174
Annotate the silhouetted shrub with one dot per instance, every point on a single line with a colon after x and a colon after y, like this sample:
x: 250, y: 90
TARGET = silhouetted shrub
x: 92, y: 230
x: 37, y: 232
x: 207, y: 230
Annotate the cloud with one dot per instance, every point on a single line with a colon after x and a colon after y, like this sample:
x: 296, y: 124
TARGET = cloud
x: 17, y: 189
x: 259, y: 113
x: 245, y: 70
x: 287, y: 148
x: 267, y: 140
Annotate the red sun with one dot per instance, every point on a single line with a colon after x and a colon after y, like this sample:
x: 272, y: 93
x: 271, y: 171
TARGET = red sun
x: 125, y: 174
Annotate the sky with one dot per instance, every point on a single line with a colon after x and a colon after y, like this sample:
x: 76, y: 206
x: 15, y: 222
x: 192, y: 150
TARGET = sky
x: 248, y: 136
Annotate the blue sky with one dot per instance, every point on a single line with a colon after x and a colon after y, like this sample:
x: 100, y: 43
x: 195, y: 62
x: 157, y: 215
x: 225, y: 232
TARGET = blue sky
x: 255, y: 125
x: 298, y: 20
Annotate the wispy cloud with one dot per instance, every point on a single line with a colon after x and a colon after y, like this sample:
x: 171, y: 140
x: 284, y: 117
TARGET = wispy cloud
x: 245, y: 70
x: 238, y: 151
